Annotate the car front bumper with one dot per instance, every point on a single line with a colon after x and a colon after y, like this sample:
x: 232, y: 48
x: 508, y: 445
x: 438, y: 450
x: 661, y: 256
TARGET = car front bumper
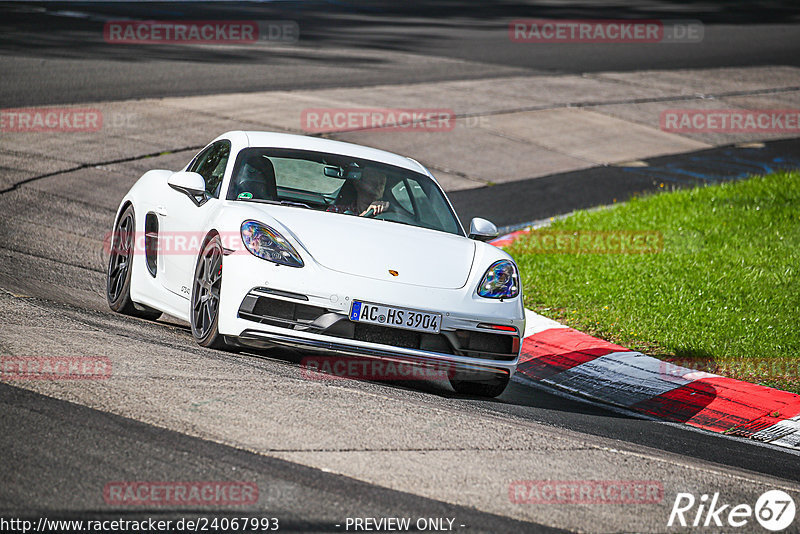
x: 318, y: 318
x: 347, y: 348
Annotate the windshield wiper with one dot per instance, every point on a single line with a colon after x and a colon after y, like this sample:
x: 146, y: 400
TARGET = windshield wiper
x: 259, y: 200
x: 276, y: 202
x: 295, y: 204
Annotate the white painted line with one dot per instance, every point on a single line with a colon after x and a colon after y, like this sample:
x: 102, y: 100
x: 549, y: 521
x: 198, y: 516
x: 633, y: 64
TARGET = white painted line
x: 535, y: 323
x: 778, y: 431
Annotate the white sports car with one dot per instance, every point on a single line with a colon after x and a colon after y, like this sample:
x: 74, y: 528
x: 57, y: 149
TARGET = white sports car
x: 268, y: 239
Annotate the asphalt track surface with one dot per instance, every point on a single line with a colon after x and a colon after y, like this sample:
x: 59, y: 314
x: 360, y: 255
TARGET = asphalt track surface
x: 56, y: 454
x: 59, y: 454
x: 520, y: 202
x: 304, y: 499
x: 58, y: 52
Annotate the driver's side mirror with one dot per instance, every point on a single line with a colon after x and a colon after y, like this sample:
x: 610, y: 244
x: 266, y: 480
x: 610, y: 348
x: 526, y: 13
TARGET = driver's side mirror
x: 189, y: 183
x: 482, y: 230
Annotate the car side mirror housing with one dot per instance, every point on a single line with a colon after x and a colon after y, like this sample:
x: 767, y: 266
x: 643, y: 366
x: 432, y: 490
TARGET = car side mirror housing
x: 188, y: 183
x: 332, y: 172
x: 482, y: 230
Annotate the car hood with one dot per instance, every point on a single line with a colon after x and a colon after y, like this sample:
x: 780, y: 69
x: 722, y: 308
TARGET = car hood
x: 372, y: 248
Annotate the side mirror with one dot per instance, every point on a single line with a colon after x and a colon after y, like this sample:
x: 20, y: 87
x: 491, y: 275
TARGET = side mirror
x: 482, y: 230
x: 188, y: 183
x: 332, y: 172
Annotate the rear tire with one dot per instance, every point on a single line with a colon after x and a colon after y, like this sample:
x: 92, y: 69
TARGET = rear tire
x: 479, y: 384
x: 205, y: 296
x: 120, y: 269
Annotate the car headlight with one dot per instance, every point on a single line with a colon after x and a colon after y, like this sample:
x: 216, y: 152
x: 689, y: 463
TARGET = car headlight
x: 267, y: 244
x: 501, y: 281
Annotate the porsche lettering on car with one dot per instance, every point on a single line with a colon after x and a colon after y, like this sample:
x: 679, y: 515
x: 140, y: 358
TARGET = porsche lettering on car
x: 268, y: 239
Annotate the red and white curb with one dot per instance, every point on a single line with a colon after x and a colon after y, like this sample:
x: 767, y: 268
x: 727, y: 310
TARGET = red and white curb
x: 568, y: 360
x: 506, y: 239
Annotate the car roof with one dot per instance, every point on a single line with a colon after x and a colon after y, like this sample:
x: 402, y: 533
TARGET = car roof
x: 319, y: 144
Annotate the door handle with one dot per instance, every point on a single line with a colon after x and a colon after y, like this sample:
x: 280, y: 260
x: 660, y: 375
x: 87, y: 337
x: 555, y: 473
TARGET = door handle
x: 161, y: 210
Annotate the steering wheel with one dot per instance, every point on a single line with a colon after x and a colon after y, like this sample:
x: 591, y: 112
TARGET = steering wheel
x: 371, y: 212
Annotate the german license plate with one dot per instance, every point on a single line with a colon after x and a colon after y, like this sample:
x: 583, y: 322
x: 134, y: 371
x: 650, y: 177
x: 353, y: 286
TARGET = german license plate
x: 366, y: 312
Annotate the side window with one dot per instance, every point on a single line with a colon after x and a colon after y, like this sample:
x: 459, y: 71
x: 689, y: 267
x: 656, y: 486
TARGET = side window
x: 433, y: 211
x: 400, y: 193
x: 211, y: 163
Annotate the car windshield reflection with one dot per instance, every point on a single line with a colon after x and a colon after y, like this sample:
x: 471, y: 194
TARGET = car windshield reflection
x: 341, y: 184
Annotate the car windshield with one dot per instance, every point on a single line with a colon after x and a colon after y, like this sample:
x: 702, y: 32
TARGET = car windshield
x: 341, y: 184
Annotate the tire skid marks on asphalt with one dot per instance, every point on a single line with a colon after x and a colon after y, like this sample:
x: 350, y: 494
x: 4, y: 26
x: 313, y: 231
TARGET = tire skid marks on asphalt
x: 557, y: 350
x: 626, y: 378
x: 723, y: 404
x: 785, y: 433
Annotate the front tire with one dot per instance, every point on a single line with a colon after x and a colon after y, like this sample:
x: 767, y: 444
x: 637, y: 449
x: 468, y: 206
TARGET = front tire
x: 205, y: 296
x: 120, y: 269
x: 479, y: 384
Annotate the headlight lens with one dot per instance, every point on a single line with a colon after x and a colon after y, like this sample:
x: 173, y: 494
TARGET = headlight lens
x: 501, y: 281
x: 267, y: 244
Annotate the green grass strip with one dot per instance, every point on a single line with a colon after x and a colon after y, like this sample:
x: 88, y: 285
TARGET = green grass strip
x: 714, y: 284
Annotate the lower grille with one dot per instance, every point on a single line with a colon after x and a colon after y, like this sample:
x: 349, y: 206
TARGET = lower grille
x: 279, y: 312
x: 398, y: 337
x: 386, y: 336
x: 472, y: 341
x: 460, y: 342
x: 299, y: 315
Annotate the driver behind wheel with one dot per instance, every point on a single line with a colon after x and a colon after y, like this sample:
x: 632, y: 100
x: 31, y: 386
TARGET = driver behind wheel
x: 368, y: 192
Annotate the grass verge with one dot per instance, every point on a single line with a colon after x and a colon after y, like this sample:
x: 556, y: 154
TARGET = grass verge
x: 717, y: 289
